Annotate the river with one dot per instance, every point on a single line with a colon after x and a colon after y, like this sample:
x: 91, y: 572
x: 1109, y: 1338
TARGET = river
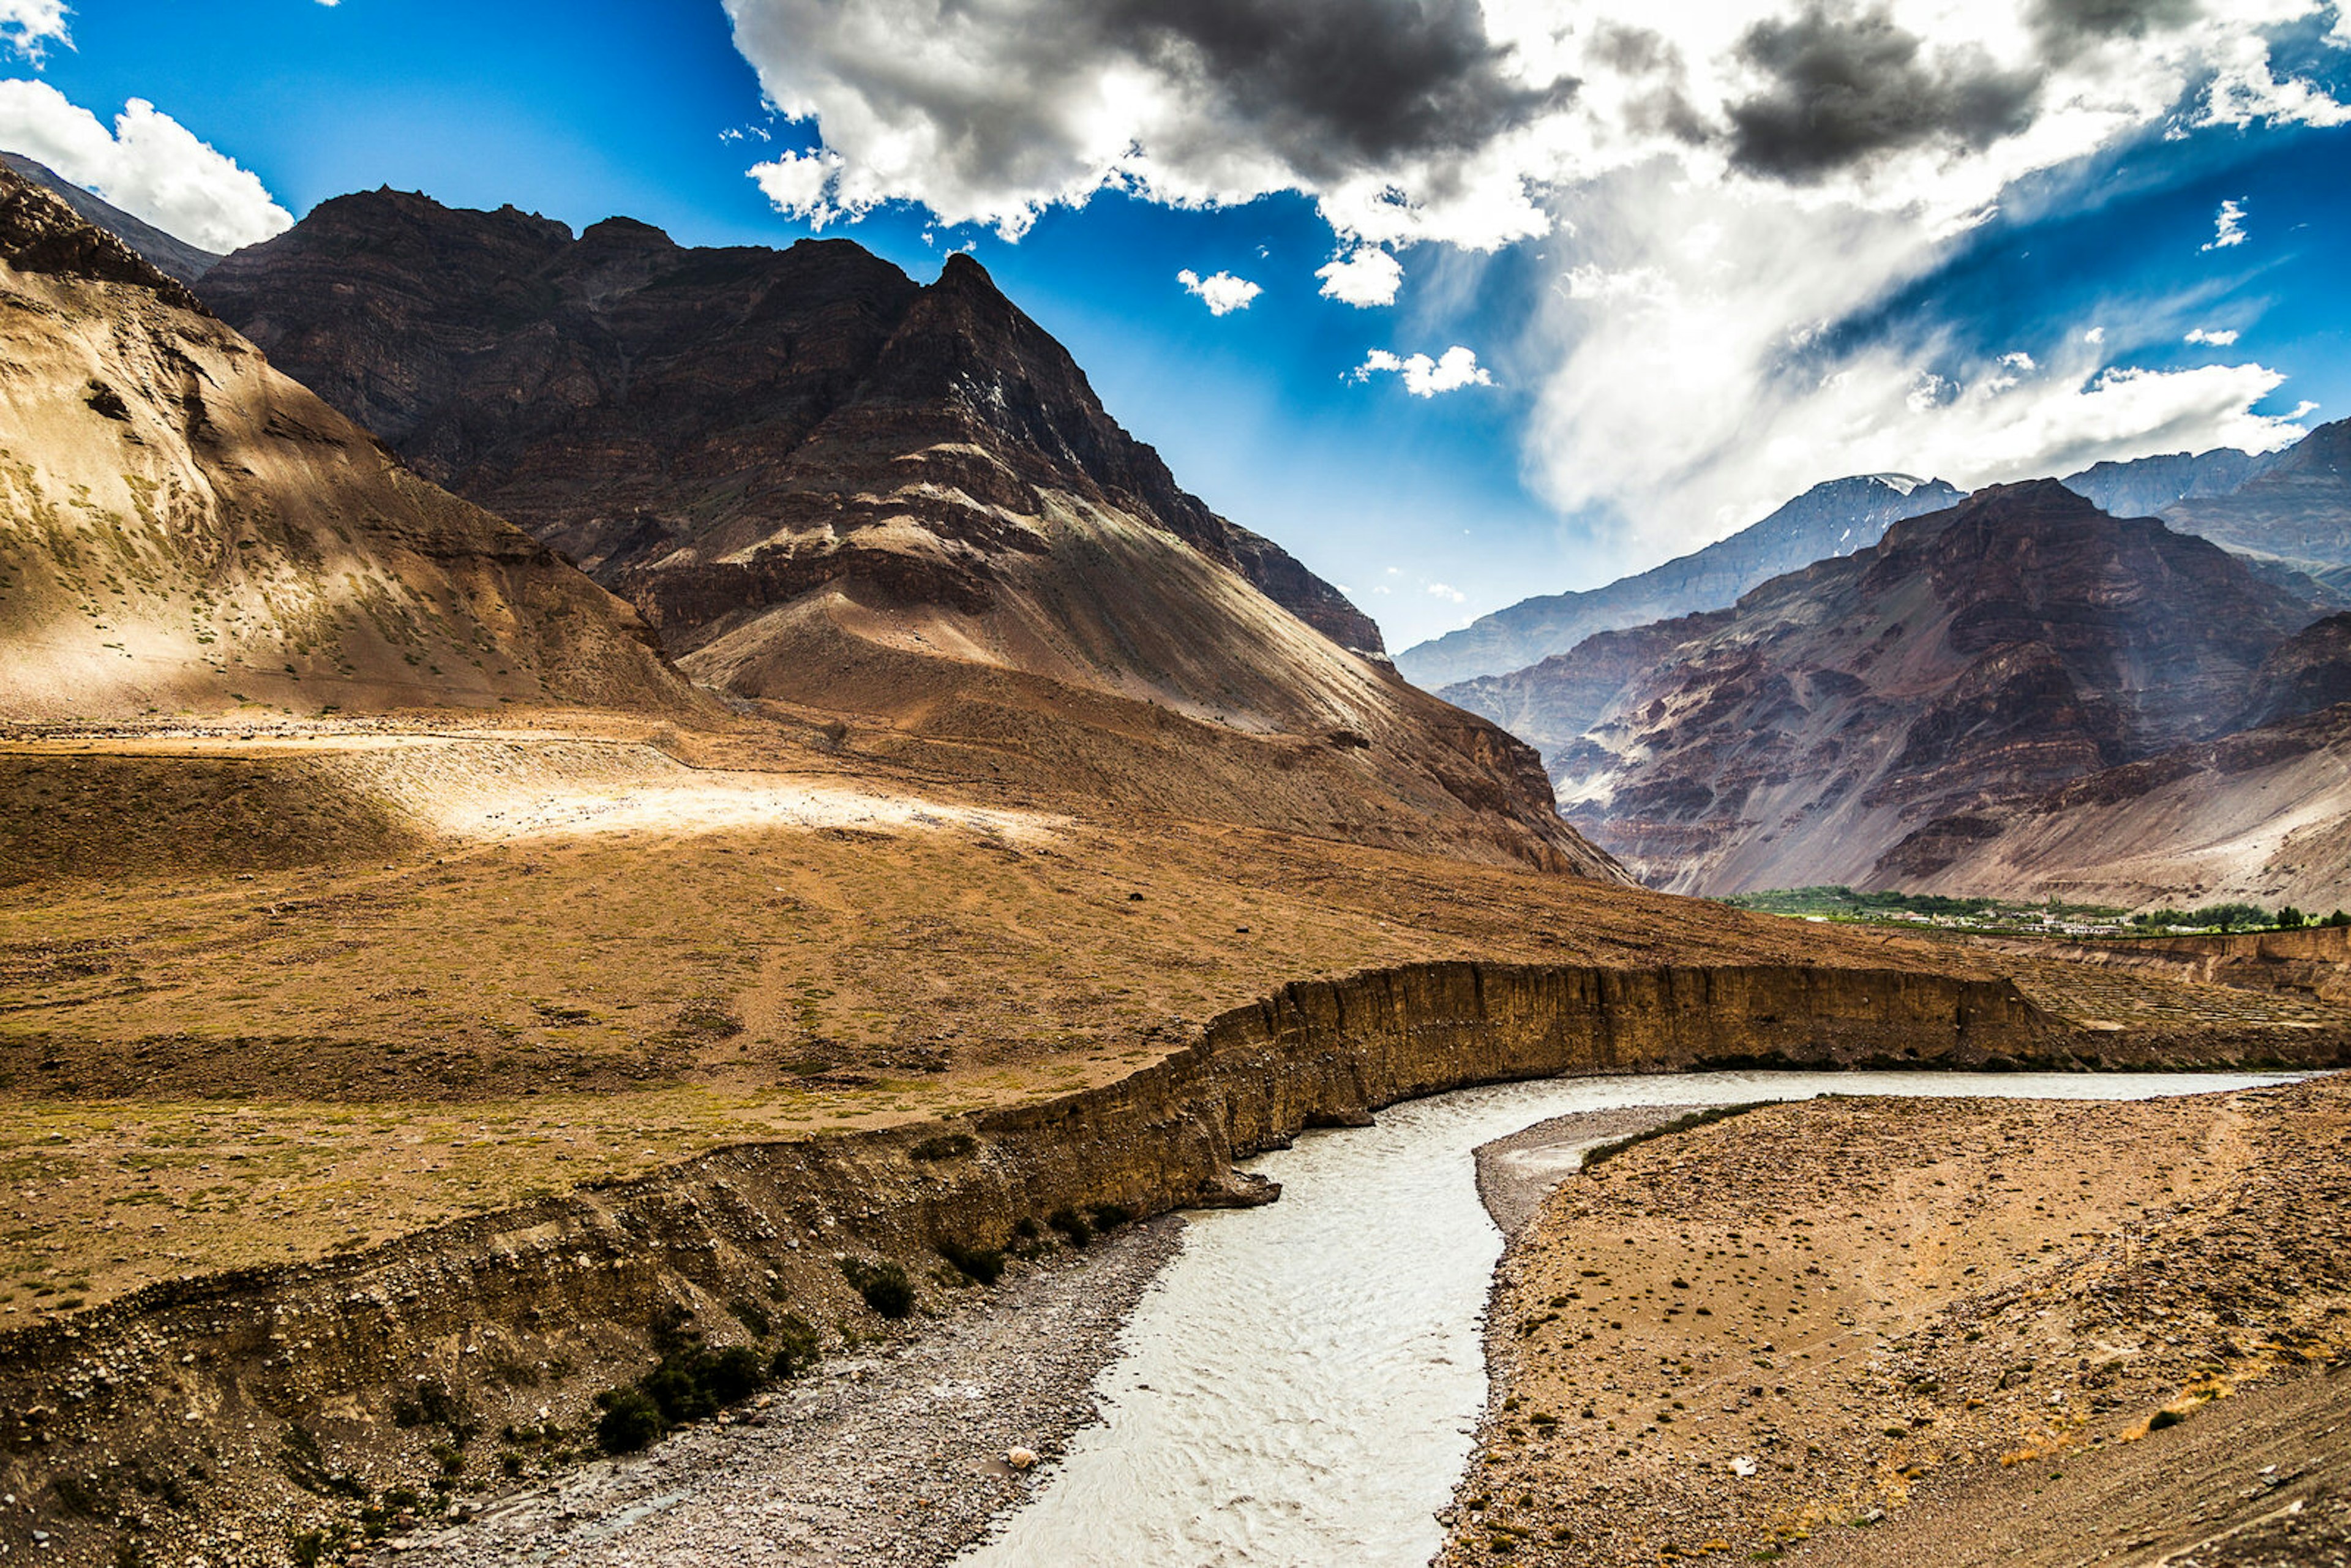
x: 1300, y: 1385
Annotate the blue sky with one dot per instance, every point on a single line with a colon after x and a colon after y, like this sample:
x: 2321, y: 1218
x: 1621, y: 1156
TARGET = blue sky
x: 1675, y: 333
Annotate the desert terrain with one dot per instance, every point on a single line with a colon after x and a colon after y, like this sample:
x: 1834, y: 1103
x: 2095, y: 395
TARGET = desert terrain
x: 1919, y: 1331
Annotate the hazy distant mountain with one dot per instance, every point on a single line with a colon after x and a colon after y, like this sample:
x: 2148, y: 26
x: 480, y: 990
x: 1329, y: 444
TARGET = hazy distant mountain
x: 834, y: 488
x: 171, y: 256
x: 2297, y: 507
x: 182, y: 528
x: 2144, y: 486
x: 1830, y: 519
x: 2010, y: 644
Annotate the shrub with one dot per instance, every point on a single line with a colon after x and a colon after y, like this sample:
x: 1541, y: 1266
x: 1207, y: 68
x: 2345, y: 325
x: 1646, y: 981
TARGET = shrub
x: 884, y: 1286
x: 754, y: 1317
x: 631, y: 1420
x: 797, y: 1346
x: 1109, y: 1217
x: 732, y: 1376
x: 1072, y: 1226
x: 946, y: 1146
x: 2163, y: 1418
x: 985, y: 1266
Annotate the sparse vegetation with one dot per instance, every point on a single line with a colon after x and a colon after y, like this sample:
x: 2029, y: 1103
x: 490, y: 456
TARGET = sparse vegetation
x: 983, y: 1266
x: 1682, y: 1124
x: 946, y: 1146
x: 884, y: 1286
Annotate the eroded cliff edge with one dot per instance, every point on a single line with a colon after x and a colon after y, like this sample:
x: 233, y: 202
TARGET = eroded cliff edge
x: 235, y: 1412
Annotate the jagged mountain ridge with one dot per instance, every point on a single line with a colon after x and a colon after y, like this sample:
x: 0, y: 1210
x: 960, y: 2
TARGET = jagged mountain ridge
x: 171, y: 256
x: 2005, y: 646
x: 719, y: 386
x: 836, y: 489
x: 1836, y: 517
x: 182, y: 529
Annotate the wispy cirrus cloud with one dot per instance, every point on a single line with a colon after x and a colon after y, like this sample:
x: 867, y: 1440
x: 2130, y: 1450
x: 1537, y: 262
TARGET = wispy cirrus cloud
x: 28, y: 26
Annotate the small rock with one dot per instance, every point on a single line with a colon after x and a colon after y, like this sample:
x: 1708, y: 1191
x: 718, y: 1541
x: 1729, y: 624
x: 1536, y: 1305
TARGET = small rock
x: 1742, y: 1467
x: 1021, y: 1459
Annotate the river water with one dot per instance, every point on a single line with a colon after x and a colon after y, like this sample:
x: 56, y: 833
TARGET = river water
x: 1300, y: 1385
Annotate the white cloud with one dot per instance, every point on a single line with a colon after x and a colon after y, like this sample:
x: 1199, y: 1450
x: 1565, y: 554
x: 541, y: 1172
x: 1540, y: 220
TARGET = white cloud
x: 1367, y: 277
x: 1423, y: 377
x: 802, y: 185
x: 1720, y: 185
x: 28, y: 26
x: 150, y: 165
x: 2244, y: 90
x: 2228, y: 227
x: 1221, y: 292
x: 2214, y: 337
x: 1447, y: 592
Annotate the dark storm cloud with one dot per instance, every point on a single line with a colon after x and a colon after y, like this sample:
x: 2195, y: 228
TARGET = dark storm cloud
x: 1848, y: 87
x: 2067, y: 25
x: 1339, y: 83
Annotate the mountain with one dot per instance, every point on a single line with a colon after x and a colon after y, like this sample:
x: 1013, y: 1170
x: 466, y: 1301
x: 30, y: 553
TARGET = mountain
x: 2297, y: 507
x: 171, y: 256
x: 2144, y: 486
x: 2262, y: 815
x: 834, y: 489
x: 184, y: 528
x: 730, y: 394
x: 1832, y: 518
x: 2005, y: 646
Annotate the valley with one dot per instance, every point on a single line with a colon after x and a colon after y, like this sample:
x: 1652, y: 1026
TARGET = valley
x: 609, y: 845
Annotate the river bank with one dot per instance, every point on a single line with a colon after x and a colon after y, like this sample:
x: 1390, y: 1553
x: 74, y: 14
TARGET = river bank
x: 1875, y: 1332
x: 888, y: 1454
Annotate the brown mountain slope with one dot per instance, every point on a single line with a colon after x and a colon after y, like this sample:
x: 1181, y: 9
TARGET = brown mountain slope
x: 835, y: 489
x: 2006, y: 646
x: 182, y: 528
x: 2263, y: 813
x: 171, y: 256
x: 624, y: 398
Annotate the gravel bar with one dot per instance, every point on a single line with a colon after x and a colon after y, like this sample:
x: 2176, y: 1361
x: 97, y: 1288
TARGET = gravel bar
x: 896, y: 1455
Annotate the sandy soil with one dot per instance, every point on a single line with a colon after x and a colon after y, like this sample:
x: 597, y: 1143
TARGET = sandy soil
x: 897, y: 1456
x: 1930, y: 1332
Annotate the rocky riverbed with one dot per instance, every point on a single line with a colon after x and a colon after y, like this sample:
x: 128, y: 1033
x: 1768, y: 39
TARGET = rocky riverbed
x: 892, y: 1454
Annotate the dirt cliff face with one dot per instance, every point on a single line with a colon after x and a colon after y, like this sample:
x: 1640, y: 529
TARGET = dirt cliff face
x: 833, y: 488
x: 358, y: 1367
x: 2004, y: 647
x: 182, y: 528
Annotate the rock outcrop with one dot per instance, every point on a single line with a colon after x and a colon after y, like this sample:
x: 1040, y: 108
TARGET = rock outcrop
x: 170, y: 254
x: 182, y: 529
x: 2004, y: 647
